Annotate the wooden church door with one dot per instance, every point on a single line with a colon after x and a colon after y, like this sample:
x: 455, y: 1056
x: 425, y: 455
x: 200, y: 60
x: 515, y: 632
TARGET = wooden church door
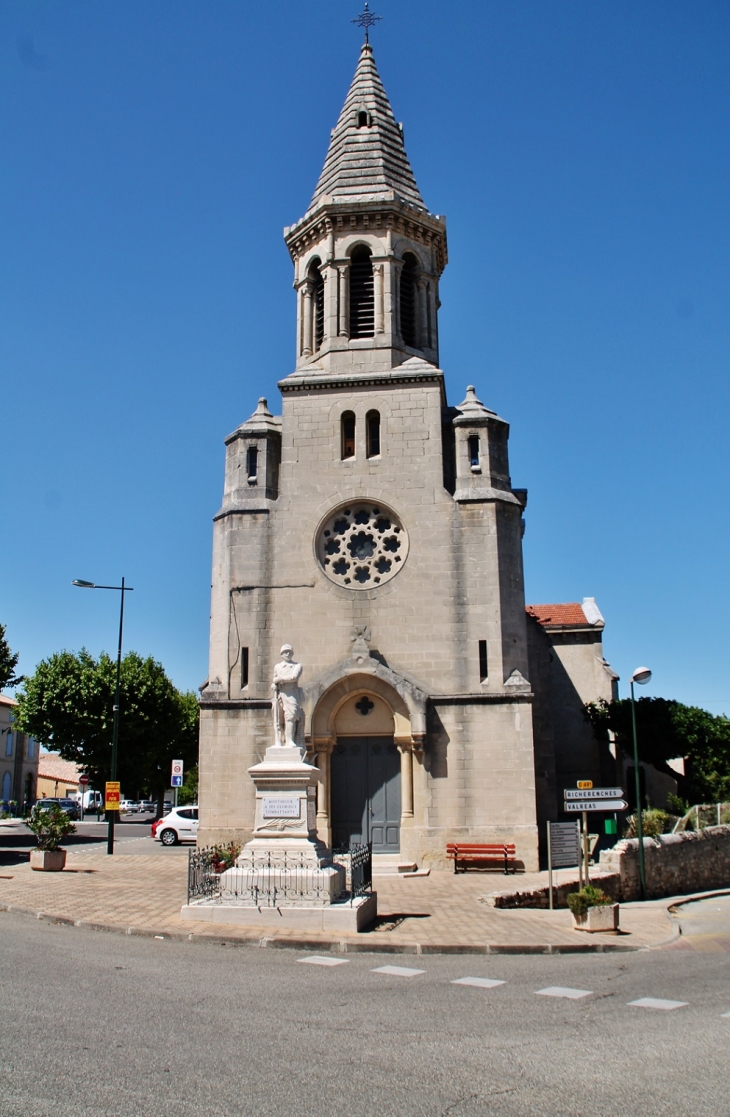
x: 366, y: 795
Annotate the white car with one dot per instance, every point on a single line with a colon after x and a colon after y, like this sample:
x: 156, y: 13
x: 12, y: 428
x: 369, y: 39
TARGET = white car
x: 180, y: 825
x: 129, y: 806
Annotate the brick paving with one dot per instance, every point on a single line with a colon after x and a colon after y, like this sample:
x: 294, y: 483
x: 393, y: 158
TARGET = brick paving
x: 143, y: 894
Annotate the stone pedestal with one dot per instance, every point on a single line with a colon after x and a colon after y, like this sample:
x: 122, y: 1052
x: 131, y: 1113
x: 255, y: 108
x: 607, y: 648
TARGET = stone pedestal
x: 285, y: 874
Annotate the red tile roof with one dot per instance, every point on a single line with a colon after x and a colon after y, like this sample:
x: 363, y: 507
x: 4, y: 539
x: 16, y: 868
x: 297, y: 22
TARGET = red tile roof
x: 52, y: 767
x: 570, y: 615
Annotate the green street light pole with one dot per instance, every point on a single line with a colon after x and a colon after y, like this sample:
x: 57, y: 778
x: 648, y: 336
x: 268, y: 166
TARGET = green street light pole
x: 111, y: 815
x: 641, y: 675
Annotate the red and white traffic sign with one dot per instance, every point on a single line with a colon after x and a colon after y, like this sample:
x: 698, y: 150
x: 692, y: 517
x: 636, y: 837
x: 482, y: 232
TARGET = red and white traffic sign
x: 83, y: 780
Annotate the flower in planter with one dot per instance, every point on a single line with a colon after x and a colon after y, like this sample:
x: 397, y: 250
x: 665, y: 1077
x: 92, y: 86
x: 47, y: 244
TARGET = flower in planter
x: 588, y: 897
x: 50, y: 825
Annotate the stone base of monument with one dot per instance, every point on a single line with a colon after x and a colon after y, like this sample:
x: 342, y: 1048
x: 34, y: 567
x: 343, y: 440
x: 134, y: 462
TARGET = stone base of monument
x: 284, y: 877
x: 338, y: 917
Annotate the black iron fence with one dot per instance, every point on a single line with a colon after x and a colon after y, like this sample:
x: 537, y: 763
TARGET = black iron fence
x: 357, y: 860
x: 273, y: 877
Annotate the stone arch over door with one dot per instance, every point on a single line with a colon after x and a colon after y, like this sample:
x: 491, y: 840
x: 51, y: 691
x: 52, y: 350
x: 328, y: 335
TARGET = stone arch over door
x: 364, y: 712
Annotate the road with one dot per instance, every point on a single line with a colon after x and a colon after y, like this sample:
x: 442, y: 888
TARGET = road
x: 103, y: 1025
x: 131, y: 835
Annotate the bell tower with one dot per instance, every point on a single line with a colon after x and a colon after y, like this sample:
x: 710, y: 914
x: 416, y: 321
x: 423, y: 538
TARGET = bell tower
x: 367, y: 254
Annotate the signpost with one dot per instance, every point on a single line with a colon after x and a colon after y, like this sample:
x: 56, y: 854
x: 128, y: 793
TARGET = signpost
x: 587, y: 798
x: 176, y: 780
x: 563, y: 841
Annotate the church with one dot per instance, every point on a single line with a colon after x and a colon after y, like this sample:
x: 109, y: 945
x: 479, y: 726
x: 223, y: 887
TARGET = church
x: 374, y: 527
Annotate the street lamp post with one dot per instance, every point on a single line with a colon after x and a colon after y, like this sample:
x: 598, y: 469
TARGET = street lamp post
x: 641, y: 675
x: 111, y: 815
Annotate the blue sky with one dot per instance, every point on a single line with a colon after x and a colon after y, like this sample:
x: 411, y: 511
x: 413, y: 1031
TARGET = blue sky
x: 153, y: 153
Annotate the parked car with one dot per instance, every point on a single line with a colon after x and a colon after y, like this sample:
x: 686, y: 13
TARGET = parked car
x: 129, y: 806
x: 147, y: 806
x: 179, y: 825
x: 69, y: 807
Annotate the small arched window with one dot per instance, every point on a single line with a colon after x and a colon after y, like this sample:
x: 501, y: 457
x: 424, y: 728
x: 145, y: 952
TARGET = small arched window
x: 408, y: 300
x: 363, y: 119
x: 252, y: 464
x: 372, y: 423
x: 362, y: 293
x: 317, y: 280
x: 347, y: 425
x: 474, y: 452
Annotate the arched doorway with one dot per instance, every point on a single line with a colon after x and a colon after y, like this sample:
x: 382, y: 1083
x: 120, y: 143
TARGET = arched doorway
x: 365, y: 775
x: 365, y: 726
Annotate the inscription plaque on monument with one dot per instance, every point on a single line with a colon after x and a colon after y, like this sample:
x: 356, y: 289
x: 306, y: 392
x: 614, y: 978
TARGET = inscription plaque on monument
x: 280, y: 806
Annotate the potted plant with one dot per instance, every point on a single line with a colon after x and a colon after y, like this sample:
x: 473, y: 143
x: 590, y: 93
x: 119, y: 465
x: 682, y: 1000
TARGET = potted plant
x: 50, y: 825
x: 593, y: 910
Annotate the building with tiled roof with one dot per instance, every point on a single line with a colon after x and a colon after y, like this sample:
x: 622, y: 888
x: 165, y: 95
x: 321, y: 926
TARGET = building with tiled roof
x: 57, y: 778
x: 567, y: 669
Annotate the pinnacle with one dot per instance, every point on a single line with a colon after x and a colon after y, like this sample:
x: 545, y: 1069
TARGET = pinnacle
x: 366, y: 159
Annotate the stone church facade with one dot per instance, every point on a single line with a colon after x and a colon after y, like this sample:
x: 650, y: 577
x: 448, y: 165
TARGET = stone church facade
x: 375, y: 528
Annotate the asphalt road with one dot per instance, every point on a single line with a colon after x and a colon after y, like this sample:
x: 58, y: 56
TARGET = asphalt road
x: 113, y: 1026
x: 131, y: 835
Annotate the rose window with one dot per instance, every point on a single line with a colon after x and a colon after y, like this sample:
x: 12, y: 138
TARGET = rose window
x: 362, y: 545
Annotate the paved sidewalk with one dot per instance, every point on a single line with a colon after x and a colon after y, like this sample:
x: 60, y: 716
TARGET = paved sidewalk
x: 442, y: 912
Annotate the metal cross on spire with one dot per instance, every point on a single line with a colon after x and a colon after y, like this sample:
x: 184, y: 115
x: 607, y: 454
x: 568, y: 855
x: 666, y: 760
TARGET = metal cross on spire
x: 366, y: 19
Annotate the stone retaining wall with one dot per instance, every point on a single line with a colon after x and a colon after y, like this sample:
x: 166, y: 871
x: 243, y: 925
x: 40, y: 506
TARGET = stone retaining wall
x: 539, y: 897
x: 693, y: 861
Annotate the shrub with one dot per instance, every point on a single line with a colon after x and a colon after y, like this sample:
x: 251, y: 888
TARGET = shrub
x: 653, y: 823
x: 50, y: 825
x: 588, y: 897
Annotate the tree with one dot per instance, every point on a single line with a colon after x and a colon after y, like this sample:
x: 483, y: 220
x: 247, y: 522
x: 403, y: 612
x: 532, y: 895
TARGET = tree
x: 8, y: 663
x: 666, y: 729
x: 67, y: 705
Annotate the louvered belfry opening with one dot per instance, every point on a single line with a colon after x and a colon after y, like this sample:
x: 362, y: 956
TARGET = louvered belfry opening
x: 362, y: 294
x: 317, y: 280
x: 408, y: 300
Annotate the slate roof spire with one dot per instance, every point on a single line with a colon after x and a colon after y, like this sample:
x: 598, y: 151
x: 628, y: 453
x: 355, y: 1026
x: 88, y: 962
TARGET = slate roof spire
x: 366, y: 159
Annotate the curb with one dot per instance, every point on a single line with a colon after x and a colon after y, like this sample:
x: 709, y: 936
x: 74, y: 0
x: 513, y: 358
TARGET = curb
x: 338, y: 946
x: 696, y: 896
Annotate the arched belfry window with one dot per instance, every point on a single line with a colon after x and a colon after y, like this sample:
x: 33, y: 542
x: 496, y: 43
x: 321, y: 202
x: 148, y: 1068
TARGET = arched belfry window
x: 409, y: 300
x: 372, y: 424
x: 347, y: 435
x: 364, y: 119
x: 362, y: 293
x: 317, y: 281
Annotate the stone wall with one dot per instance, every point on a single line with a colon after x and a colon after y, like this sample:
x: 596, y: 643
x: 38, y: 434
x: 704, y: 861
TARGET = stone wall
x: 694, y: 861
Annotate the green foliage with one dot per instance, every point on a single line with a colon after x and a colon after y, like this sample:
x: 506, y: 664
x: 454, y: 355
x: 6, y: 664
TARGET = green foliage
x: 188, y: 793
x: 8, y: 663
x: 653, y: 823
x: 677, y: 805
x: 50, y: 825
x: 67, y: 705
x: 588, y: 897
x: 666, y: 729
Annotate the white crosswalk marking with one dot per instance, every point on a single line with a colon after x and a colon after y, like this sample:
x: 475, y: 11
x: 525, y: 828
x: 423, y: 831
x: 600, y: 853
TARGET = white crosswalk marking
x: 657, y: 1002
x: 563, y: 991
x: 397, y: 971
x: 479, y: 982
x: 320, y: 960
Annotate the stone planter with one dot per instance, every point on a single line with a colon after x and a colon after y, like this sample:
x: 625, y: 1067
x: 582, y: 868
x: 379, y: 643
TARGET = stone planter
x: 48, y: 860
x: 603, y: 918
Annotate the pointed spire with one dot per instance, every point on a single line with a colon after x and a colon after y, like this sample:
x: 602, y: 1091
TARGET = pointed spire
x: 366, y: 158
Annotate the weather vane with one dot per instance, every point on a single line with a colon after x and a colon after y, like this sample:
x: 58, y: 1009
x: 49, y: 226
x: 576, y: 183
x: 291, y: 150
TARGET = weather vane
x: 366, y: 19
